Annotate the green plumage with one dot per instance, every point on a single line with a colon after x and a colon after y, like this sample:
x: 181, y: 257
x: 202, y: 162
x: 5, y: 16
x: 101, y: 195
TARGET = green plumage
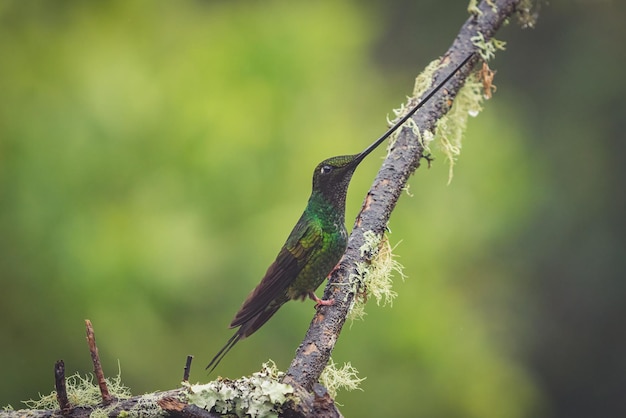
x: 320, y: 247
x: 312, y: 250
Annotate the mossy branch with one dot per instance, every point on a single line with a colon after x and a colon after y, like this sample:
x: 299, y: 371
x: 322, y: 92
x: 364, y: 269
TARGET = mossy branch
x: 308, y: 397
x: 405, y: 153
x: 177, y: 403
x: 260, y: 395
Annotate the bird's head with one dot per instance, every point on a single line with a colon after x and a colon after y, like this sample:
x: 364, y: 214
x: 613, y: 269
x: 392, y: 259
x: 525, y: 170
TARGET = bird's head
x: 331, y: 177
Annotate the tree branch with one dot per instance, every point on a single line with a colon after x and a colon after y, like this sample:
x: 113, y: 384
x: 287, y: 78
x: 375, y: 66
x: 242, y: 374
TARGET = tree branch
x: 403, y: 159
x: 97, y: 366
x: 263, y: 396
x: 59, y: 384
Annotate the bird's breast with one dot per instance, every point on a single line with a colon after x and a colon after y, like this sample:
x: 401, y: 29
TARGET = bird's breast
x: 322, y: 261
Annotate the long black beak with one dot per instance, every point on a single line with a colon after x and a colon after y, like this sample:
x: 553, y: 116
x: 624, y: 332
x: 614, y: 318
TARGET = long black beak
x: 406, y: 117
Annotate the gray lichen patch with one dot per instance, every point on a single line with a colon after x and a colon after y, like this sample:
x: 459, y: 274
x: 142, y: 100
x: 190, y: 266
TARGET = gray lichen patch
x: 260, y: 395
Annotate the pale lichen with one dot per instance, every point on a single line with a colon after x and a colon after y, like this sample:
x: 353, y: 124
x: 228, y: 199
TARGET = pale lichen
x: 422, y: 84
x: 345, y: 378
x: 82, y: 391
x: 371, y: 242
x: 260, y: 395
x: 473, y: 9
x: 374, y: 278
x: 425, y: 139
x: 487, y: 48
x: 400, y: 113
x: 527, y: 12
x: 450, y: 128
x: 423, y: 81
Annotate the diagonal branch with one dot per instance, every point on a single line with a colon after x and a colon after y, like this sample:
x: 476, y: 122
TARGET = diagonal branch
x: 403, y: 159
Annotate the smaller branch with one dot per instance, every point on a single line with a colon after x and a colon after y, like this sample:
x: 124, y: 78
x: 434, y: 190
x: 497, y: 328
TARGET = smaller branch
x: 97, y: 367
x: 187, y: 369
x: 59, y: 383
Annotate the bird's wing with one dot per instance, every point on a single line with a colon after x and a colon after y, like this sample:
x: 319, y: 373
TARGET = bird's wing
x: 303, y: 240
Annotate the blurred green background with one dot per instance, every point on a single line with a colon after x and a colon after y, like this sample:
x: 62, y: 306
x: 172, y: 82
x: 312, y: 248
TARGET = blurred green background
x: 154, y: 156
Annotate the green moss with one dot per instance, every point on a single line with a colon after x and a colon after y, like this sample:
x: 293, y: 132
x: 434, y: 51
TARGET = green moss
x: 260, y: 395
x: 334, y: 379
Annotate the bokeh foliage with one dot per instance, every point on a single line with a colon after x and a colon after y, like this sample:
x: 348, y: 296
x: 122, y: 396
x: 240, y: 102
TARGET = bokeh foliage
x: 155, y: 155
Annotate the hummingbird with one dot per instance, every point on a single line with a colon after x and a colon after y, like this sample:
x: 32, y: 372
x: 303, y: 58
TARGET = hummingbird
x: 314, y: 246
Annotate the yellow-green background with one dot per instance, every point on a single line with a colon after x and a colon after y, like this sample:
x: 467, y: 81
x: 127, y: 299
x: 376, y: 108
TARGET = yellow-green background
x: 154, y: 156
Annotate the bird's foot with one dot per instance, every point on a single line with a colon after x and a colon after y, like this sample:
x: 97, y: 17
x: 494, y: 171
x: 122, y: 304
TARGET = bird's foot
x: 320, y: 302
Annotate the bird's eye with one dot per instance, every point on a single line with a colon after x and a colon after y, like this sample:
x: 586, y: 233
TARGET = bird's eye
x: 325, y: 169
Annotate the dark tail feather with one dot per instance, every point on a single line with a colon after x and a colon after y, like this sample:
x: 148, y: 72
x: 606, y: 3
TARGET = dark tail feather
x: 245, y: 330
x: 220, y: 355
x: 252, y: 325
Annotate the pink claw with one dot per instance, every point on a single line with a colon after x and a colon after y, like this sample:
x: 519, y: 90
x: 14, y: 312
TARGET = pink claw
x: 334, y: 269
x: 320, y: 302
